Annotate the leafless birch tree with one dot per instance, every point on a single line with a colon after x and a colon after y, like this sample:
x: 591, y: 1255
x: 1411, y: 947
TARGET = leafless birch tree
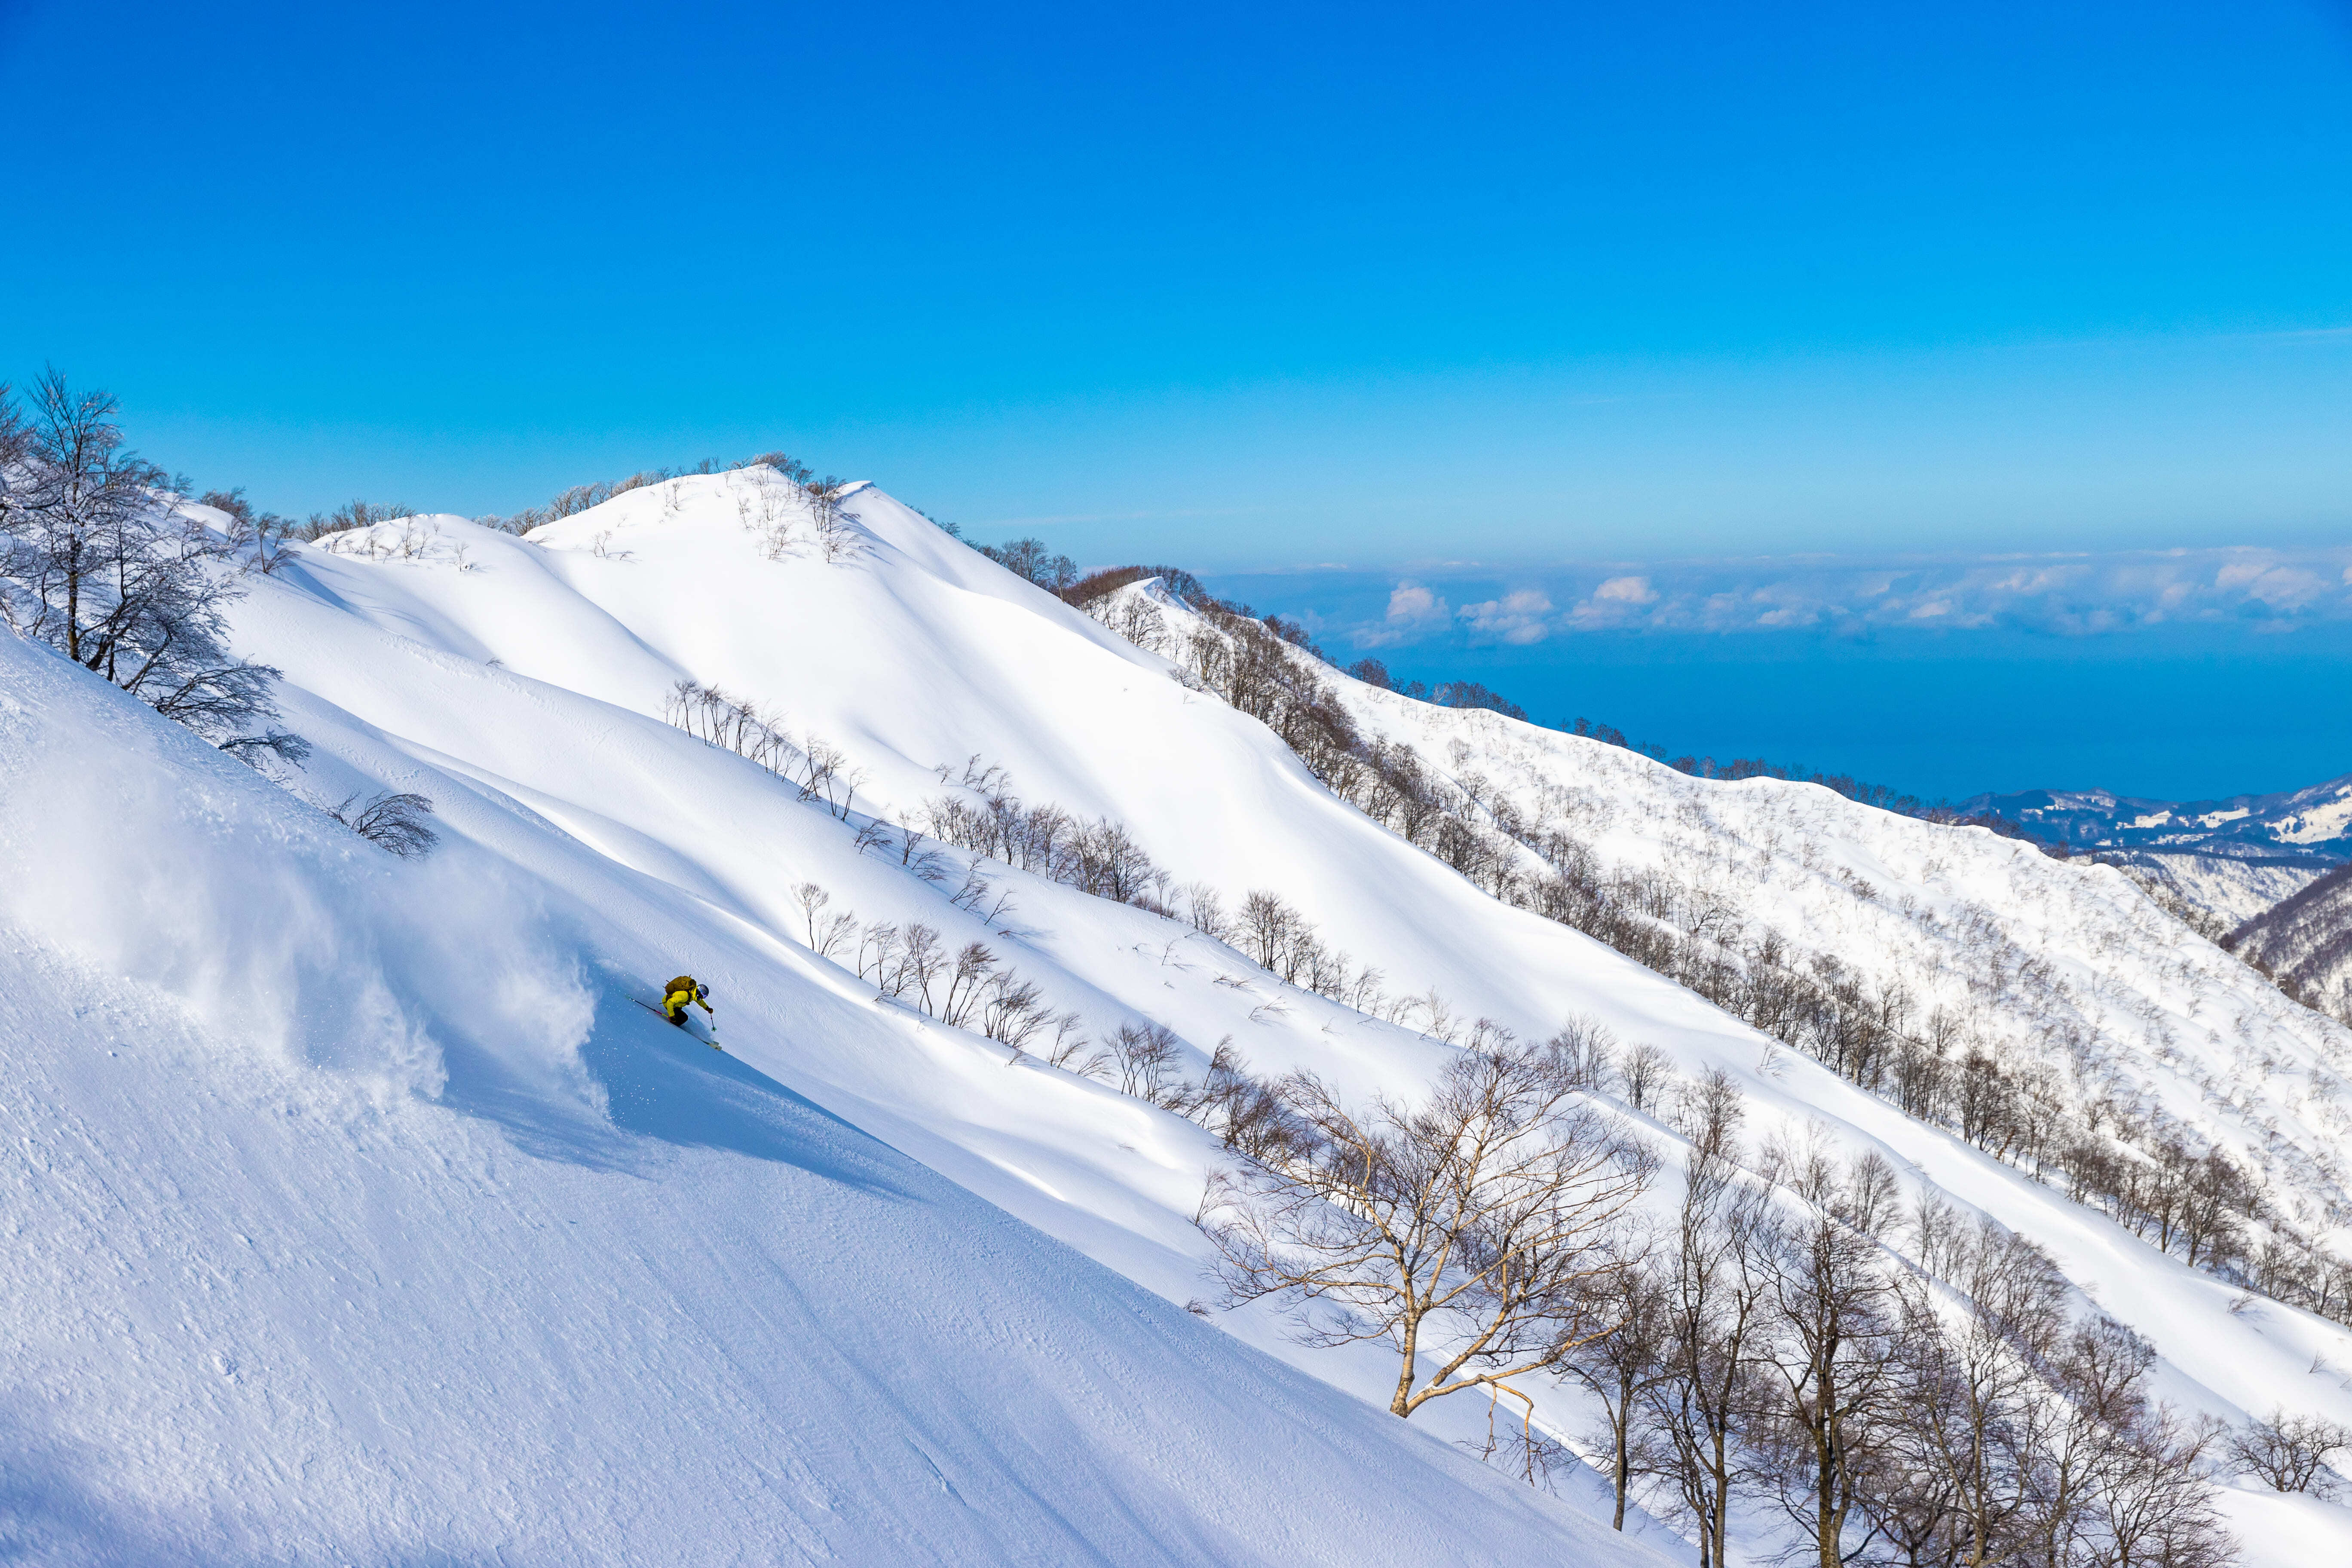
x: 1475, y: 1233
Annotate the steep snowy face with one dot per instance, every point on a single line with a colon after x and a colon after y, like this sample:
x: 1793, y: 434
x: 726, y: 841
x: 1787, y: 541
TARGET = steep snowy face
x: 357, y: 1215
x: 695, y: 727
x: 2228, y: 889
x: 2314, y: 822
x: 2306, y: 941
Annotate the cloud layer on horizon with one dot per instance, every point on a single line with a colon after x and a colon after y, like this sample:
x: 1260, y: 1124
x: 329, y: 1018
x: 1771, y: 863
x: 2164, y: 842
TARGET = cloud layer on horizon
x: 2262, y: 590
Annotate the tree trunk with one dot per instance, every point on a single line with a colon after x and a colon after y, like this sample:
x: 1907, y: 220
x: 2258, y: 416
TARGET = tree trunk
x: 1401, y: 1404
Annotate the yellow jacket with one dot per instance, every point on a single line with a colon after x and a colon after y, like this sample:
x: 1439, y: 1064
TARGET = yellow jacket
x: 681, y: 991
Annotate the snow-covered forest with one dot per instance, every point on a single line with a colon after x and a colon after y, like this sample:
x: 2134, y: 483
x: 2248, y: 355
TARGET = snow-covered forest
x: 1178, y: 1102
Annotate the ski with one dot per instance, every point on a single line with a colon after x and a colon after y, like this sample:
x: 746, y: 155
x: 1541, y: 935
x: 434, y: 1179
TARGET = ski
x: 657, y: 1013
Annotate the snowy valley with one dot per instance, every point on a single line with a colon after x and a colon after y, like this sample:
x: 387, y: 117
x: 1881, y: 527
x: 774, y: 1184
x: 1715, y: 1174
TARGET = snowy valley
x: 362, y: 1210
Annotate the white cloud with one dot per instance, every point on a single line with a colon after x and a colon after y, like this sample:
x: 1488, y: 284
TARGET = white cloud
x: 2066, y: 595
x: 1627, y: 591
x: 2286, y: 588
x: 1620, y: 602
x: 1414, y: 611
x: 1518, y: 617
x: 1410, y: 603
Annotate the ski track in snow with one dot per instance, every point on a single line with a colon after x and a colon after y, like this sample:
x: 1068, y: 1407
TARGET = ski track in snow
x: 384, y: 1226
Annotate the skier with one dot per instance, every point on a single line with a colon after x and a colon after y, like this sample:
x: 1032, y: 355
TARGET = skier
x: 682, y: 992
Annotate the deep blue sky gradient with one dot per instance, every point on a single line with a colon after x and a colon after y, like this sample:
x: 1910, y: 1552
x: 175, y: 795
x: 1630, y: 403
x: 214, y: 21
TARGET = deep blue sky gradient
x: 1254, y: 287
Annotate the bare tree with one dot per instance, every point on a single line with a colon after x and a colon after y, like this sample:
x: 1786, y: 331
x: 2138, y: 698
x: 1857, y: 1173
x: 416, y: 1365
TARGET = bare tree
x: 1832, y: 1322
x: 2290, y: 1452
x: 837, y: 537
x: 826, y: 933
x: 1070, y: 1051
x: 1708, y: 1110
x: 1207, y: 910
x: 1268, y: 928
x: 1912, y: 1504
x: 1717, y: 1295
x: 2077, y: 1446
x: 1621, y: 1367
x: 2155, y: 1507
x: 97, y: 560
x: 811, y: 898
x: 390, y: 820
x: 1014, y: 1012
x: 1971, y: 1396
x: 1246, y: 1111
x: 1642, y: 1071
x: 967, y: 983
x: 1588, y: 1051
x: 15, y: 439
x: 262, y: 536
x: 1479, y: 1228
x: 923, y: 956
x: 1147, y: 1054
x: 877, y: 958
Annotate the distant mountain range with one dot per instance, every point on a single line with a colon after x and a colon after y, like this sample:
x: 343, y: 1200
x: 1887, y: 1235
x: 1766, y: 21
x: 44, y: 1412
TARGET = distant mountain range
x: 2311, y: 826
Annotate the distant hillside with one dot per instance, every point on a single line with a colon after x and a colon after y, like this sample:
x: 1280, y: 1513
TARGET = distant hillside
x: 2229, y: 890
x: 2305, y: 942
x: 2311, y: 826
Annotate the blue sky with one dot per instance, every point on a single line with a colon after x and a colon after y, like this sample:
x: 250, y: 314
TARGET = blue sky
x: 1529, y: 291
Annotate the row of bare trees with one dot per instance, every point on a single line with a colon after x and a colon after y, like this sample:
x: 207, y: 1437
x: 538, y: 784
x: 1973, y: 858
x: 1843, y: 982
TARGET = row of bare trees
x: 2131, y: 1161
x: 1789, y: 1342
x: 967, y: 987
x: 817, y: 771
x: 2303, y: 945
x: 1099, y: 856
x: 1885, y: 1387
x: 1033, y: 561
x: 785, y: 498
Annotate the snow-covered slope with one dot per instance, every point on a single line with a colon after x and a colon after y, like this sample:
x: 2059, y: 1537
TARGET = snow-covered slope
x: 2232, y: 890
x: 355, y: 1214
x: 357, y: 1127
